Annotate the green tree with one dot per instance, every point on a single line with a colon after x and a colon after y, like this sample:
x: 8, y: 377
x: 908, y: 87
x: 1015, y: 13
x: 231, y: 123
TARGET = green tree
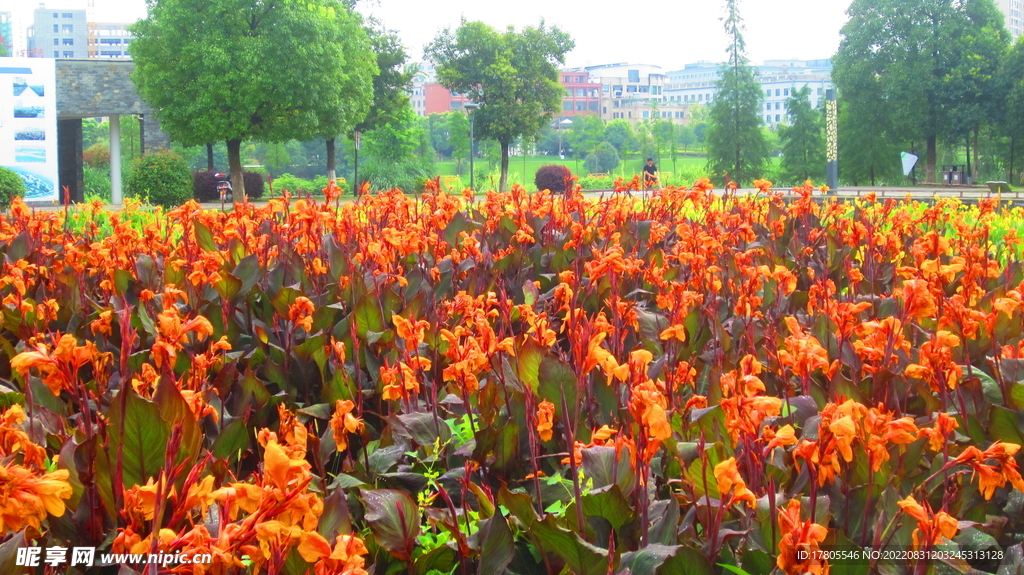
x: 685, y: 136
x: 511, y: 75
x: 235, y: 70
x: 1012, y: 73
x: 736, y: 145
x: 440, y: 137
x: 664, y: 133
x: 603, y: 159
x: 915, y: 63
x: 458, y: 131
x: 620, y: 134
x: 803, y: 141
x: 390, y: 87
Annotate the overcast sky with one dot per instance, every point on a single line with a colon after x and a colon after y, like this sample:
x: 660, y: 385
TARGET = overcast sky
x: 668, y: 33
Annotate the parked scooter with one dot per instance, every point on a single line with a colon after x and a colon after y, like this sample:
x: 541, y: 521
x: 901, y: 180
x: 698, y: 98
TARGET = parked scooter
x: 224, y: 186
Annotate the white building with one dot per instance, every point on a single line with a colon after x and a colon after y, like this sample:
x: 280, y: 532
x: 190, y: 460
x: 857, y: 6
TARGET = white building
x: 634, y: 92
x: 1013, y: 10
x: 697, y: 83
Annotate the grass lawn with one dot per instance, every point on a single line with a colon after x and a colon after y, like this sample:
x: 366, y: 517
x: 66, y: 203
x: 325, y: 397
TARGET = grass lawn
x: 626, y: 169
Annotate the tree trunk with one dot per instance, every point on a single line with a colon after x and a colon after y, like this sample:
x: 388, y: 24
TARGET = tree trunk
x: 235, y: 166
x: 977, y: 169
x: 330, y: 159
x: 930, y: 156
x: 356, y: 188
x: 504, y: 167
x: 1013, y: 143
x: 872, y: 175
x: 968, y: 146
x: 209, y: 158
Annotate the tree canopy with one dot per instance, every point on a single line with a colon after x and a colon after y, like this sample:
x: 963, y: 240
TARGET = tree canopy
x: 511, y: 75
x: 803, y: 141
x: 234, y: 70
x: 736, y: 145
x: 924, y: 66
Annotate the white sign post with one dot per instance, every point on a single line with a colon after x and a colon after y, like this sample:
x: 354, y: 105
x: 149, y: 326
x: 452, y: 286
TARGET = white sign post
x: 28, y: 124
x: 909, y: 161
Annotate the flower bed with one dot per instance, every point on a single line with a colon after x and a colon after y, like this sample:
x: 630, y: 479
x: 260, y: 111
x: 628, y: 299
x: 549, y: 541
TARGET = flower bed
x: 530, y: 383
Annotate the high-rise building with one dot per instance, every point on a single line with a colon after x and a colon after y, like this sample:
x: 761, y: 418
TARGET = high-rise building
x: 58, y: 33
x: 1013, y: 10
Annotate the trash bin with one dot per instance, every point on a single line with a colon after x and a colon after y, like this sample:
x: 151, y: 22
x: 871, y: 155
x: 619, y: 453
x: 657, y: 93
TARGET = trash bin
x: 954, y: 175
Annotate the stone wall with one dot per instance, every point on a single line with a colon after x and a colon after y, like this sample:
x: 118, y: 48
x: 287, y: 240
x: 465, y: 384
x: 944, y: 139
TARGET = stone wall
x: 97, y: 88
x: 94, y: 89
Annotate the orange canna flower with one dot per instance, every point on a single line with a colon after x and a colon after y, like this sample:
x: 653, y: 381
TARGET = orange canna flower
x: 545, y: 420
x: 343, y: 423
x: 729, y: 480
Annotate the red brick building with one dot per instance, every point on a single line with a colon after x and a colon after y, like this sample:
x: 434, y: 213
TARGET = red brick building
x: 581, y: 97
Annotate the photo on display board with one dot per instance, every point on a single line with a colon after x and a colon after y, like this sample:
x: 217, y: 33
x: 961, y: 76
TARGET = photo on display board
x: 24, y: 111
x: 20, y: 85
x: 36, y: 185
x: 30, y: 134
x: 29, y: 154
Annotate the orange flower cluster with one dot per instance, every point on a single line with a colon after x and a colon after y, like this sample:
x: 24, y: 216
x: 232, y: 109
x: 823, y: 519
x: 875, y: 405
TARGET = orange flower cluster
x: 931, y: 527
x: 801, y: 539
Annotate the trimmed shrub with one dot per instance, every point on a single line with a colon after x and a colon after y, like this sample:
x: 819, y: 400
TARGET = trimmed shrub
x: 97, y: 155
x: 11, y: 186
x: 602, y: 160
x: 161, y: 178
x: 552, y: 177
x: 204, y: 186
x: 254, y: 185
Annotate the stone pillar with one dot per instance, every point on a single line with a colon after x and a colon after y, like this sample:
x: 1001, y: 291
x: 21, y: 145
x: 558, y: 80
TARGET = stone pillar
x: 69, y: 160
x: 115, y: 159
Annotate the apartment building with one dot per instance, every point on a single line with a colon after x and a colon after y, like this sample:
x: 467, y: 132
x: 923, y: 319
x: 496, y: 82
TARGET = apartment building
x: 1013, y: 10
x: 58, y: 33
x: 110, y: 40
x: 634, y: 92
x: 697, y: 83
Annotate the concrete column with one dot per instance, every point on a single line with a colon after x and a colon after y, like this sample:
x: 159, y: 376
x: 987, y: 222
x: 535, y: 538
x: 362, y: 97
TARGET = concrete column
x: 115, y: 159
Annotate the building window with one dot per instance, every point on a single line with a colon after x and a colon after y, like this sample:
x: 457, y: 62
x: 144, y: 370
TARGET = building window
x: 54, y: 14
x: 768, y: 106
x: 592, y: 106
x: 66, y: 15
x: 605, y: 88
x: 581, y: 106
x: 630, y: 114
x: 768, y: 93
x: 767, y: 118
x: 776, y: 105
x: 56, y: 54
x: 566, y: 106
x: 785, y: 92
x: 634, y: 75
x: 617, y: 88
x: 56, y: 41
x: 819, y: 91
x: 604, y: 109
x: 776, y: 117
x: 69, y: 54
x: 56, y: 28
x: 69, y: 41
x: 67, y: 29
x: 581, y: 93
x: 631, y: 89
x: 700, y: 97
x: 615, y: 103
x: 565, y: 79
x: 568, y: 92
x: 777, y: 92
x: 646, y: 114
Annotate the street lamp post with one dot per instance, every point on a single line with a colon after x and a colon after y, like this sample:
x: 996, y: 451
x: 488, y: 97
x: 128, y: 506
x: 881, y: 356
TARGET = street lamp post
x: 471, y: 106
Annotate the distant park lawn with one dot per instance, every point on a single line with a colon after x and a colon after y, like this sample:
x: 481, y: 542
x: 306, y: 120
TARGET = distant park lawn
x: 685, y: 166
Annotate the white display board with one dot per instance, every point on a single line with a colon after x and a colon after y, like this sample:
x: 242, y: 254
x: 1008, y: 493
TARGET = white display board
x: 28, y: 124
